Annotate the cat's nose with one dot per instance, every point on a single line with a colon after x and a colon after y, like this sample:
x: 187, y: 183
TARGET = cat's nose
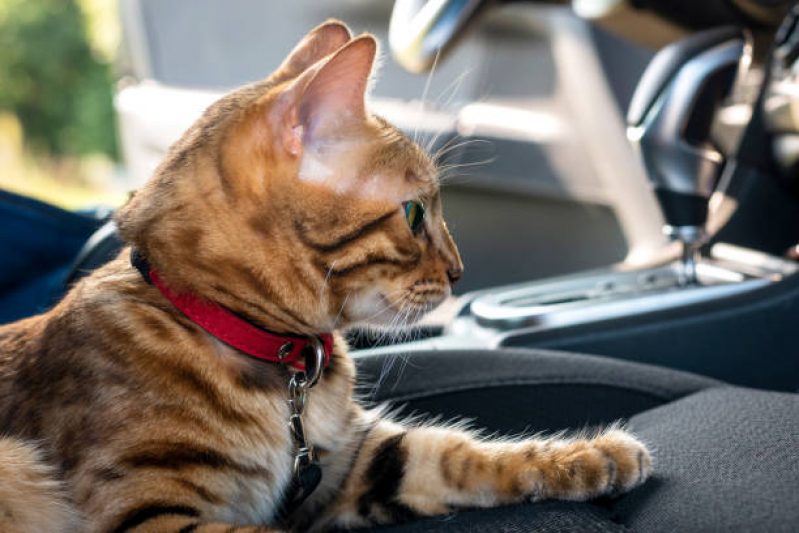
x: 454, y: 274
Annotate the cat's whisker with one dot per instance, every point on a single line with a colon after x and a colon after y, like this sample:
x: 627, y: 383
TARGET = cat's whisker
x: 405, y: 331
x: 340, y: 310
x: 444, y: 150
x: 395, y: 297
x: 406, y: 335
x: 448, y: 174
x: 323, y: 296
x: 387, y: 330
x: 395, y: 332
x: 404, y: 362
x: 388, y: 364
x: 424, y: 92
x: 383, y: 310
x: 400, y: 331
x: 449, y: 142
x: 455, y: 85
x: 405, y: 293
x: 455, y: 166
x: 429, y: 146
x: 459, y: 177
x: 434, y: 138
x: 389, y: 304
x: 327, y: 279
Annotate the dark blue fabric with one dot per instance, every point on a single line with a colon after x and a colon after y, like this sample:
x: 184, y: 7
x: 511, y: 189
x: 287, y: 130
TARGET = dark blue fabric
x: 38, y: 243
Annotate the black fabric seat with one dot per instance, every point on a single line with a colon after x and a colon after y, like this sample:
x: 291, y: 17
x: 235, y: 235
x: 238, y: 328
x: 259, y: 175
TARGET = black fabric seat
x: 726, y: 458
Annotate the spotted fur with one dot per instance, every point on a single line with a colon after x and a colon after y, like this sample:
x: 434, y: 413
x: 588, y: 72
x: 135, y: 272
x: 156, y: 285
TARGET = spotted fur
x: 282, y: 203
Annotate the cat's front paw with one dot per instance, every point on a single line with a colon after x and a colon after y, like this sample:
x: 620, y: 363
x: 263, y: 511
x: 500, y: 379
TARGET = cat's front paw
x: 628, y: 457
x: 609, y: 464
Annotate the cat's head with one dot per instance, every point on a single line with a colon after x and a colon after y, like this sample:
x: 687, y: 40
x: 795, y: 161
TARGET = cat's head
x: 293, y: 205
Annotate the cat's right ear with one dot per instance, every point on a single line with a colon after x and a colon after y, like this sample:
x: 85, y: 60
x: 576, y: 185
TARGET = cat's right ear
x: 319, y: 43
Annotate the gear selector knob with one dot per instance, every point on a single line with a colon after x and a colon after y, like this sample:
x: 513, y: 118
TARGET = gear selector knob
x: 669, y: 121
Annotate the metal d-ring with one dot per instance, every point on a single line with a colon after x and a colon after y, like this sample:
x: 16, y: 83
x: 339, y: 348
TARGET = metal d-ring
x: 314, y: 364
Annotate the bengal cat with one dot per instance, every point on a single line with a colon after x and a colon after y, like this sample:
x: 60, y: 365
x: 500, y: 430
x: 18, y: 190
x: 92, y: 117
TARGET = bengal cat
x: 292, y: 207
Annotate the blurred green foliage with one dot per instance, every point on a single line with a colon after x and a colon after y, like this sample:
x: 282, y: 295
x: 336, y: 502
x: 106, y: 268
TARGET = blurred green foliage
x: 52, y: 81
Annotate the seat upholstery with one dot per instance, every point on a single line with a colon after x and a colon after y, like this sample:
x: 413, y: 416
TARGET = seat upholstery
x: 514, y: 390
x: 541, y: 517
x: 726, y: 458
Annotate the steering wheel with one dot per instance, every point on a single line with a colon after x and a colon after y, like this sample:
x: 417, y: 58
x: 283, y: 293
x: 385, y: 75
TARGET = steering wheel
x: 421, y: 31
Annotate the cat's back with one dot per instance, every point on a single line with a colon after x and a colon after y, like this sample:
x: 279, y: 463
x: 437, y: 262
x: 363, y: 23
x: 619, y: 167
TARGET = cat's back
x: 19, y: 344
x: 48, y: 361
x: 34, y: 355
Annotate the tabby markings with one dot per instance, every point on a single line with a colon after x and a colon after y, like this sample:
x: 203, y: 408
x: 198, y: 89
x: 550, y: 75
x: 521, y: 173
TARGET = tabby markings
x: 385, y: 474
x: 147, y: 512
x: 347, y: 238
x: 174, y: 456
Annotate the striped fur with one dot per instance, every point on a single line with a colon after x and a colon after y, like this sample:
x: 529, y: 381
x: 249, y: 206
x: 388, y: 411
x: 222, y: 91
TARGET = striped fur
x: 283, y: 203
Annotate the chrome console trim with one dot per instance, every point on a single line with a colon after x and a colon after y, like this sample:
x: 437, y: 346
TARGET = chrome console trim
x: 604, y: 295
x: 490, y: 318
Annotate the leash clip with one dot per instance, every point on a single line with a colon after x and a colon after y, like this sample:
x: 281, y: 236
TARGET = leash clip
x: 306, y: 472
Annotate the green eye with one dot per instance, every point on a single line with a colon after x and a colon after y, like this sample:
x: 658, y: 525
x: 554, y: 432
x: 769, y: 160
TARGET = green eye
x: 414, y: 214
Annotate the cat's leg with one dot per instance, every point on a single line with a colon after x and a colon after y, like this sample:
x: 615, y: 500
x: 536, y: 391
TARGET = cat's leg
x: 406, y: 471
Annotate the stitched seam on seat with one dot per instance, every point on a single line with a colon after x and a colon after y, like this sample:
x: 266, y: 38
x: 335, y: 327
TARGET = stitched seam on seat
x: 662, y: 394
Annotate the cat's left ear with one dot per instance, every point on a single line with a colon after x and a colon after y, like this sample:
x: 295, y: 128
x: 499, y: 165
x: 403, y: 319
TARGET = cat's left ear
x: 328, y: 96
x: 317, y: 44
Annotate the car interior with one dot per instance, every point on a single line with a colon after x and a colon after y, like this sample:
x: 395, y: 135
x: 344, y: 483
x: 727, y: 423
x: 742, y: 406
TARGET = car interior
x: 622, y: 180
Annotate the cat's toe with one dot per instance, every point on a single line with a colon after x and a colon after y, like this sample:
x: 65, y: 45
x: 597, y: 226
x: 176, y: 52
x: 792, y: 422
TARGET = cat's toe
x: 627, y: 457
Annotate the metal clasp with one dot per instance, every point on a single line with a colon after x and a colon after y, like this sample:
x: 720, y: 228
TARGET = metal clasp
x: 299, y: 385
x: 306, y: 472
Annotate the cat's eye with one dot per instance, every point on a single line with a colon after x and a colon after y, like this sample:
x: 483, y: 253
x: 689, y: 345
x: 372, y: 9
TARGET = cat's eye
x: 414, y: 214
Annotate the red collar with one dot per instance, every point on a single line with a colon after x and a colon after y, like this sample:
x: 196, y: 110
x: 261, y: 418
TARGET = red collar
x: 232, y: 329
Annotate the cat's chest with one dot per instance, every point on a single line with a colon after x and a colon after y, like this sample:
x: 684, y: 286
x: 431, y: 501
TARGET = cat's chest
x: 262, y: 452
x: 256, y: 495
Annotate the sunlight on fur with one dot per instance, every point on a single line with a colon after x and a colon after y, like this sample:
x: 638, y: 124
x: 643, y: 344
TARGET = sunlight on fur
x: 294, y: 210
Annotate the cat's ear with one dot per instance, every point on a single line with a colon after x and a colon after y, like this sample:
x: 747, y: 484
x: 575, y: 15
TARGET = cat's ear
x: 319, y: 43
x: 337, y: 91
x: 328, y: 96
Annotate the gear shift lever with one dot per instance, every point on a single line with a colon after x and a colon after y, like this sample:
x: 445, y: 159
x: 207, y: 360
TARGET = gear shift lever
x: 669, y: 121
